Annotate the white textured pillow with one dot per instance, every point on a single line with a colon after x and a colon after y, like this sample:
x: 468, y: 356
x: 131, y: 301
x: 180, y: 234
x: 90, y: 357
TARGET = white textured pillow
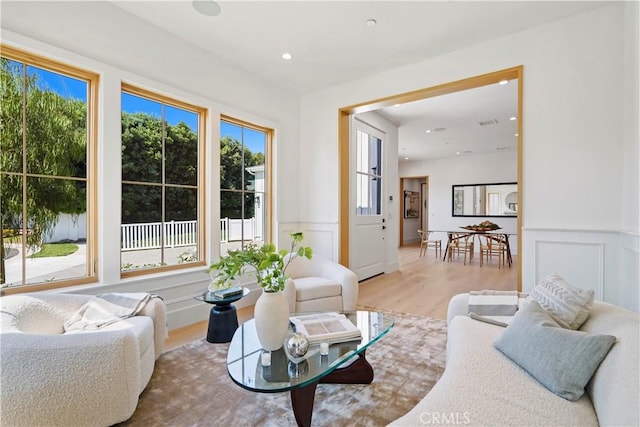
x: 567, y: 305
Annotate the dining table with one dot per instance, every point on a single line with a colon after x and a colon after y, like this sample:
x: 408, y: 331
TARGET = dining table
x: 473, y: 233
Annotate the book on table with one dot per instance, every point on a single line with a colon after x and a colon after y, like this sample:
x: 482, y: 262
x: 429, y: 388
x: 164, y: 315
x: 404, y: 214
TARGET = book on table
x: 226, y: 293
x: 326, y: 327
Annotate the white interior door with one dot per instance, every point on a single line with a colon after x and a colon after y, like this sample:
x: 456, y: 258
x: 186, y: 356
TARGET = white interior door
x: 367, y: 251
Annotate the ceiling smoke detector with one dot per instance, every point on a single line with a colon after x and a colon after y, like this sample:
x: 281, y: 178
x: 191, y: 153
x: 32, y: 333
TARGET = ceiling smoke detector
x: 488, y: 122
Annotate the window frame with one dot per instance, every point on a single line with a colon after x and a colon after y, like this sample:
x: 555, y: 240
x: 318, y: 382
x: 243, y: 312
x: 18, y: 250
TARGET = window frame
x: 93, y: 81
x: 201, y: 182
x: 268, y: 174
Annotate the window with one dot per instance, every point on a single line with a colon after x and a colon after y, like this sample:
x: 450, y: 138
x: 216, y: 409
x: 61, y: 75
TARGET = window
x: 162, y: 225
x: 368, y: 174
x: 244, y: 184
x: 47, y: 173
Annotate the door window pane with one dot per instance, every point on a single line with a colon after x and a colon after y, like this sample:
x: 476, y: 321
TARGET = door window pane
x: 368, y: 174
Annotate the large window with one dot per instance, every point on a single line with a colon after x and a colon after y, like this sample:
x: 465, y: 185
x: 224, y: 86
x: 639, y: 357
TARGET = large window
x: 47, y: 173
x: 162, y: 175
x: 244, y: 183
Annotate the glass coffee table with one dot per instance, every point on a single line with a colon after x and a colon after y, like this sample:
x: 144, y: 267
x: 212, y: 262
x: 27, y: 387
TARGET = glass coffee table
x: 345, y: 363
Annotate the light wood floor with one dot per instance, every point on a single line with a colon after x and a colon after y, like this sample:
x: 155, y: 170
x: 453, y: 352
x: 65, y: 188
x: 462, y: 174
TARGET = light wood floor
x: 422, y: 285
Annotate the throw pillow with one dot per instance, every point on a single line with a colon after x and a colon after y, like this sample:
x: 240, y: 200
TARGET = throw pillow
x: 568, y: 305
x: 560, y: 359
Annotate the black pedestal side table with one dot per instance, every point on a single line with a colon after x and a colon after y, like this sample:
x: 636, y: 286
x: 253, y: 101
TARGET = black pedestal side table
x: 223, y: 318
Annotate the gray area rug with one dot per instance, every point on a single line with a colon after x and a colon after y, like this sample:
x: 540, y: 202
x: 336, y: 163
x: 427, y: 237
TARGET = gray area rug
x: 190, y: 385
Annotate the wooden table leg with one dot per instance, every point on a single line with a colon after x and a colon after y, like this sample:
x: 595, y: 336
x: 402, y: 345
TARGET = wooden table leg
x: 302, y: 403
x: 359, y: 372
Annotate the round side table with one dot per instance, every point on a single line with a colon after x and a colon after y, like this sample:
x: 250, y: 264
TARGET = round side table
x: 223, y: 318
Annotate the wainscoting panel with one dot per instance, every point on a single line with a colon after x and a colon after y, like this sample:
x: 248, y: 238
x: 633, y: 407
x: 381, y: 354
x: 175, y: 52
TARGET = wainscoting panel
x: 322, y: 237
x: 630, y: 269
x: 605, y: 261
x: 556, y: 256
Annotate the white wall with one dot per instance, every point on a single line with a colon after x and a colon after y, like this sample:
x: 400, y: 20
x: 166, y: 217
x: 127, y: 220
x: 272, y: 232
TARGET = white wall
x: 188, y: 74
x: 443, y: 173
x: 574, y: 134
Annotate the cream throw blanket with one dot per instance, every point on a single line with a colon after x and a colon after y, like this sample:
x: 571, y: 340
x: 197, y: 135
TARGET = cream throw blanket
x: 495, y: 307
x: 105, y: 309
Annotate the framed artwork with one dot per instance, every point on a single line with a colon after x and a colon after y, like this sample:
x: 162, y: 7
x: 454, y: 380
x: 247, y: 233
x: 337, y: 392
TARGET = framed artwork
x: 411, y: 204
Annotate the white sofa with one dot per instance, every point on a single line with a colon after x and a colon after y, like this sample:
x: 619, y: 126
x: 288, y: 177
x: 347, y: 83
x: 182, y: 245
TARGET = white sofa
x: 320, y: 284
x: 481, y: 386
x: 88, y: 378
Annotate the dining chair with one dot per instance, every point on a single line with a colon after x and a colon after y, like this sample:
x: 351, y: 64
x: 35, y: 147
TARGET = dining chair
x: 425, y: 243
x: 460, y: 243
x: 493, y: 245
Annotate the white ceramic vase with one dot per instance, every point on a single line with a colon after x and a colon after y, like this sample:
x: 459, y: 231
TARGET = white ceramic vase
x: 271, y: 314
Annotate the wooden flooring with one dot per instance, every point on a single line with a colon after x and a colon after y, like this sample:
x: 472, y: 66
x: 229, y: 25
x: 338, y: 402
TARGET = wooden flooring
x: 422, y: 285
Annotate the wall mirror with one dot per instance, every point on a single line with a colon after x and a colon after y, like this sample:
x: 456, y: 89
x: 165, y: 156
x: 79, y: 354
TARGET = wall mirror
x: 485, y: 200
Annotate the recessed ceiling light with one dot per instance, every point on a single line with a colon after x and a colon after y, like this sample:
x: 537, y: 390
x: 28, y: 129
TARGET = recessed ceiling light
x: 207, y: 7
x: 457, y: 152
x: 371, y: 23
x: 428, y: 131
x: 503, y: 82
x: 512, y: 118
x: 406, y: 158
x: 515, y: 134
x: 396, y: 105
x: 287, y: 56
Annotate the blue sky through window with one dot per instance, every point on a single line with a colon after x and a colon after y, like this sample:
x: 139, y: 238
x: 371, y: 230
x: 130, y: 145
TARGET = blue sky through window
x: 136, y: 104
x: 65, y: 86
x: 253, y: 139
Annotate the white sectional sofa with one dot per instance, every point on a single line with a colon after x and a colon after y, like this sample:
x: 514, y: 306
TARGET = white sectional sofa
x: 86, y: 378
x: 481, y: 386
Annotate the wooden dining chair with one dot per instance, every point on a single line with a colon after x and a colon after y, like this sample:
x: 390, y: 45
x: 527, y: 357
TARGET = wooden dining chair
x: 425, y: 243
x: 494, y: 245
x: 460, y: 243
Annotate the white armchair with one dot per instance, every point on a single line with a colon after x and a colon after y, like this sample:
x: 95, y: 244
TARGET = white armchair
x: 320, y: 284
x: 81, y: 378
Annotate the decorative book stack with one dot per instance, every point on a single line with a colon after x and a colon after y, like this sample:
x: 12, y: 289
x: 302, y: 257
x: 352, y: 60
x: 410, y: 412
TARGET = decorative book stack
x: 326, y: 327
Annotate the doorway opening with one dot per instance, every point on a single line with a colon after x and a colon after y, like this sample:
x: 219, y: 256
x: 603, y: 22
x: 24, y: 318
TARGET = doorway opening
x: 345, y: 113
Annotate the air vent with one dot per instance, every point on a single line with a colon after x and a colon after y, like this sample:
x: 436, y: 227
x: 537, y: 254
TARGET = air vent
x: 439, y: 129
x: 503, y: 148
x: 488, y: 122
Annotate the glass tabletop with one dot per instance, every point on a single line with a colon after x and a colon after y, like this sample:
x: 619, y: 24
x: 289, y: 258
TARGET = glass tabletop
x: 209, y: 297
x: 244, y: 356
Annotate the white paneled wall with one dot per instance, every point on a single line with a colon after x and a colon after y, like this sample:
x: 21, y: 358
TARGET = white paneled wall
x: 603, y: 261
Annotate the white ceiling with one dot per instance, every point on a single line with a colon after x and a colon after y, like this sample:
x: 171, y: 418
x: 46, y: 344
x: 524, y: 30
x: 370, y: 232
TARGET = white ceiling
x: 454, y: 123
x: 330, y: 43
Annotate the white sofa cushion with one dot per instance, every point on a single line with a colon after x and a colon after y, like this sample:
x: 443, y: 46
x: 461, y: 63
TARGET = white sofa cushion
x: 481, y: 386
x: 615, y: 387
